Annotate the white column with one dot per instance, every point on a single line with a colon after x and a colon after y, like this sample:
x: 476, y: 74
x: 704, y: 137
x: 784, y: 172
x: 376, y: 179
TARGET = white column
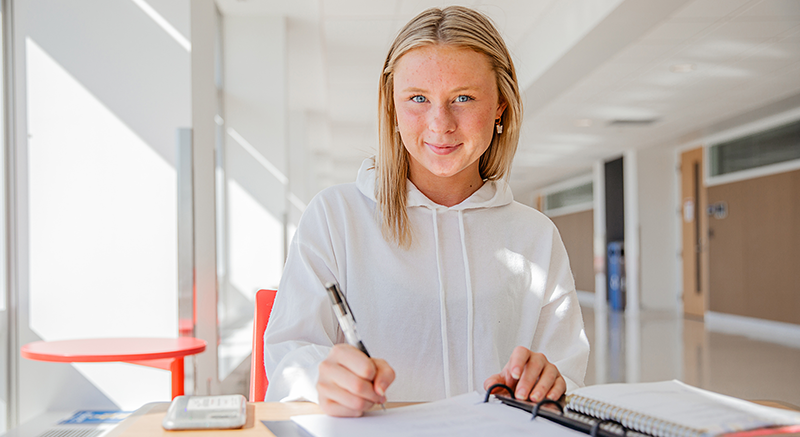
x: 600, y: 348
x: 632, y: 322
x: 14, y: 221
x: 204, y: 102
x: 599, y: 244
x: 631, y: 191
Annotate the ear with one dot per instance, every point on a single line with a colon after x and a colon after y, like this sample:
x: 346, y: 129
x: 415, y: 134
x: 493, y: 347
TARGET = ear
x: 500, y: 109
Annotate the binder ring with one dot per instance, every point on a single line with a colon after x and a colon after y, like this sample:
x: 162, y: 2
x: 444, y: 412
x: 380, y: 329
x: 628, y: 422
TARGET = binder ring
x: 489, y: 392
x: 596, y: 427
x: 535, y: 411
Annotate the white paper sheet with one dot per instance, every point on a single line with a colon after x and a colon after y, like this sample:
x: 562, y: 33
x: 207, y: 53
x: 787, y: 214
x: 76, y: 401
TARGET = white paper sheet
x: 464, y: 415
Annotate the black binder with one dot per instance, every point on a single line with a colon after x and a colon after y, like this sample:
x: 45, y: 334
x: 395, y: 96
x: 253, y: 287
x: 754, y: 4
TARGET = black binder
x: 555, y: 411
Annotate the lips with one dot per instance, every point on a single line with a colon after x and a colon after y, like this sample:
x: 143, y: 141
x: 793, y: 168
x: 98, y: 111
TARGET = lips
x: 443, y: 149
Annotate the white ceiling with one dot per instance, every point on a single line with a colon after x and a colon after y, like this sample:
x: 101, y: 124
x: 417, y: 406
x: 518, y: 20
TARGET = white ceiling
x: 581, y: 65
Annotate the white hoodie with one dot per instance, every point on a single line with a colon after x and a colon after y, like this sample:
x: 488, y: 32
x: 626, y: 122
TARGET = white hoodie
x: 481, y: 278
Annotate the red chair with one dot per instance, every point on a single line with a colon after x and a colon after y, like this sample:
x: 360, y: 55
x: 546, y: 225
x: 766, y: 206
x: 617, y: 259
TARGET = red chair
x: 258, y: 375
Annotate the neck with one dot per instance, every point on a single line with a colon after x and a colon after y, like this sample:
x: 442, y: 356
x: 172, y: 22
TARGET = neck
x: 447, y: 191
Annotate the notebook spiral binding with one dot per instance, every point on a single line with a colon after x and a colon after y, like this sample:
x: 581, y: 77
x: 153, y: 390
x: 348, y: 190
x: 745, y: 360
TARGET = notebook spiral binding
x: 576, y: 421
x: 630, y: 419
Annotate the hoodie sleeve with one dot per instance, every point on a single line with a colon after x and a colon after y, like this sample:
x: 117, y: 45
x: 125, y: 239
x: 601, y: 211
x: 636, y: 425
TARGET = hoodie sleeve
x: 302, y: 328
x: 560, y: 334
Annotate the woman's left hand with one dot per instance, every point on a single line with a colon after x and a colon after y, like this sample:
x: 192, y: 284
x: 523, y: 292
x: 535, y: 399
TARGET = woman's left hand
x: 530, y: 375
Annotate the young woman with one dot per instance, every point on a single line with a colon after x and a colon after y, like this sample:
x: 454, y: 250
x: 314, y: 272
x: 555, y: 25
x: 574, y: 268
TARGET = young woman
x: 454, y: 285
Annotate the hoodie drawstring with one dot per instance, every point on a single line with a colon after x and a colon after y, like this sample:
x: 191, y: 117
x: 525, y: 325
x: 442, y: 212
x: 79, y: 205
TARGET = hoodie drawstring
x: 443, y: 308
x: 470, y: 310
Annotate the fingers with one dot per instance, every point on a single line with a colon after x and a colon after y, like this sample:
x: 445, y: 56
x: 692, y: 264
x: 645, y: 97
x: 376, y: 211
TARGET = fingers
x: 547, y: 382
x: 516, y: 364
x: 349, y: 380
x: 532, y: 376
x: 384, y: 376
x: 558, y: 389
x: 354, y: 360
x: 336, y: 401
x: 518, y: 372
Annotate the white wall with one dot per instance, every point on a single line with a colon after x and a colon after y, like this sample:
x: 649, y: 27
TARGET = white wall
x: 657, y: 217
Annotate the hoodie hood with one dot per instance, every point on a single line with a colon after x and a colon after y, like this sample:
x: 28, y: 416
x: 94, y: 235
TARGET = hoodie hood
x: 491, y: 194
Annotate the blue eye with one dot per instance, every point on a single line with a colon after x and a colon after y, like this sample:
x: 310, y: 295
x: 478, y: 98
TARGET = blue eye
x: 419, y: 99
x: 462, y: 99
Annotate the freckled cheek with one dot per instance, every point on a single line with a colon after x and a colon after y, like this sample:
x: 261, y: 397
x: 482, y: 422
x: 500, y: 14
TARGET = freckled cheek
x: 410, y: 121
x: 478, y: 122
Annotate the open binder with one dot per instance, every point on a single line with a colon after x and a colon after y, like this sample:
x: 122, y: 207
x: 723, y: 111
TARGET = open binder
x: 556, y: 412
x: 629, y: 410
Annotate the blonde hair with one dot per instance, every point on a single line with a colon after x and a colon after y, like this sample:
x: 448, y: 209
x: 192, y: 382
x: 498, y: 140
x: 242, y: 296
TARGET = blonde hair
x: 455, y: 26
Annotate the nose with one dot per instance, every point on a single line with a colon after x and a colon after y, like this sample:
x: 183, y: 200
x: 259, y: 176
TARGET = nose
x: 442, y: 120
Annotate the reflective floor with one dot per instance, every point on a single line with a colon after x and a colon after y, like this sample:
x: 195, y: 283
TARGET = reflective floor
x: 660, y: 346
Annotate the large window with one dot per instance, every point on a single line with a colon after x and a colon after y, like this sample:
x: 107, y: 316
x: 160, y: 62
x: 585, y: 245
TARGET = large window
x: 252, y: 180
x: 107, y: 89
x: 772, y: 146
x: 567, y: 197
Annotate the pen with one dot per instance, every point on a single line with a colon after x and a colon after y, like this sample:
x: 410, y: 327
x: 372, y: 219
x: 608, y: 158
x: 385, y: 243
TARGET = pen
x: 346, y: 319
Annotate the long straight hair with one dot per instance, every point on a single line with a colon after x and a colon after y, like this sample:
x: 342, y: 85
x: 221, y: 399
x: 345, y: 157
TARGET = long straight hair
x: 459, y: 27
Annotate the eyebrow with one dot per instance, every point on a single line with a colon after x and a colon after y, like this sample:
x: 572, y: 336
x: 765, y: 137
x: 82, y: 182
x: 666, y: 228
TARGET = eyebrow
x: 456, y: 90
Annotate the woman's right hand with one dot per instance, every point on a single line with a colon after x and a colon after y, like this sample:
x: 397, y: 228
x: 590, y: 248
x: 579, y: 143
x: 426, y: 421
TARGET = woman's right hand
x: 350, y: 382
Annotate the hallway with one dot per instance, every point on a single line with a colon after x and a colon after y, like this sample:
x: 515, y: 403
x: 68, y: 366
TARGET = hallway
x: 665, y: 346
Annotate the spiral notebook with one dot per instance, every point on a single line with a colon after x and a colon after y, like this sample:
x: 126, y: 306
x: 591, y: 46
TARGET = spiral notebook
x: 662, y: 409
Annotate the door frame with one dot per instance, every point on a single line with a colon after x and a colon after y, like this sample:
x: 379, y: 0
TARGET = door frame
x: 694, y: 232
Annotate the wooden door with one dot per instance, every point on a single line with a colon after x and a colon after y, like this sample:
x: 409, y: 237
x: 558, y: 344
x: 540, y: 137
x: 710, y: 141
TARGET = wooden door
x: 693, y: 219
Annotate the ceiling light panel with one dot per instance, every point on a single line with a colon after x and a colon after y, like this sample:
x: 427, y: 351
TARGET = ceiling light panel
x: 682, y: 68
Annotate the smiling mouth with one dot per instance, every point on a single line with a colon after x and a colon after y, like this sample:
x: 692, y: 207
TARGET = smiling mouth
x: 443, y: 149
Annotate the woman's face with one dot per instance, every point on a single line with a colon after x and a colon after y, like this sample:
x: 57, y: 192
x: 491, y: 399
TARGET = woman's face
x: 446, y: 100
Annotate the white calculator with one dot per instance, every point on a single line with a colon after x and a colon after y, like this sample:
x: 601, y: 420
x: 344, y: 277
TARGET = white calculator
x: 206, y: 412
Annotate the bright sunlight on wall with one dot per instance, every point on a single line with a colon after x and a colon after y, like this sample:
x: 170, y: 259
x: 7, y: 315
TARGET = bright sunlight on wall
x: 103, y: 237
x: 256, y: 240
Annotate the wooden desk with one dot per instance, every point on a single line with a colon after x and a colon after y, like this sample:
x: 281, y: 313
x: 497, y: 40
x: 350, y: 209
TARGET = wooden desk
x: 161, y: 353
x: 146, y: 421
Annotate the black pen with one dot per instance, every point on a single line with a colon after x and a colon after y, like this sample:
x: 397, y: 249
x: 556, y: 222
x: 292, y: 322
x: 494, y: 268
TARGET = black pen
x: 346, y: 319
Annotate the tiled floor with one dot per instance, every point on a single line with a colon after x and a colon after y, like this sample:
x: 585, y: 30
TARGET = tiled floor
x: 660, y: 346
